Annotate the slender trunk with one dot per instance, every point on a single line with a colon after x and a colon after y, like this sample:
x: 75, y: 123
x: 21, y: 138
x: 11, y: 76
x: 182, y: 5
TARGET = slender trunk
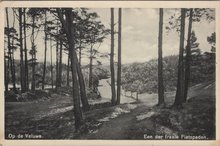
x: 33, y: 57
x: 68, y: 71
x: 188, y: 57
x: 9, y: 50
x: 9, y: 62
x: 45, y: 51
x: 25, y: 51
x: 74, y: 62
x: 57, y: 66
x: 75, y: 86
x: 80, y: 50
x: 21, y: 52
x: 60, y: 63
x: 80, y: 55
x: 119, y: 58
x: 13, y: 60
x: 51, y: 60
x: 84, y: 99
x: 112, y: 59
x: 6, y: 74
x: 180, y: 83
x: 57, y: 59
x: 160, y: 61
x: 90, y: 69
x: 13, y: 67
x: 8, y: 71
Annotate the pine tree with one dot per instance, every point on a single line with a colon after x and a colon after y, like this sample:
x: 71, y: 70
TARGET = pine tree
x: 160, y: 61
x: 22, y: 73
x: 68, y: 71
x: 119, y: 58
x: 68, y: 28
x: 45, y: 50
x: 188, y: 57
x: 34, y: 13
x: 112, y: 59
x: 7, y: 31
x: 25, y: 52
x: 51, y: 60
x: 180, y: 81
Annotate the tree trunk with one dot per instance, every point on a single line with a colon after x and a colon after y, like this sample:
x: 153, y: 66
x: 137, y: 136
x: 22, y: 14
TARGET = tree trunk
x: 80, y: 49
x: 188, y: 57
x: 25, y: 51
x: 33, y: 57
x: 112, y: 59
x: 84, y: 99
x: 45, y: 51
x: 68, y: 28
x: 119, y: 58
x: 90, y: 69
x: 57, y: 60
x: 73, y: 57
x: 21, y: 52
x: 160, y: 61
x: 57, y: 65
x: 6, y: 75
x: 60, y: 63
x: 80, y: 56
x: 13, y: 60
x: 51, y: 62
x: 13, y: 66
x: 9, y: 63
x: 180, y: 81
x: 68, y: 71
x: 9, y: 51
x: 75, y: 86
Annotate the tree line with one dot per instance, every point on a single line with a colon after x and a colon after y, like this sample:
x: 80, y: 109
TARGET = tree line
x: 71, y: 31
x: 183, y: 76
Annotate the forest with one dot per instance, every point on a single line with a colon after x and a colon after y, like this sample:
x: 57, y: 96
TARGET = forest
x: 58, y: 85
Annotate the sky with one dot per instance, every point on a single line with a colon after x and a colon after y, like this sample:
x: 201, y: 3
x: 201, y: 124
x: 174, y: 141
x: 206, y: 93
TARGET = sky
x: 139, y: 35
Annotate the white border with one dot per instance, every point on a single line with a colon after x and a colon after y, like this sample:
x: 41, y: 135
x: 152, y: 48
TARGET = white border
x: 108, y: 4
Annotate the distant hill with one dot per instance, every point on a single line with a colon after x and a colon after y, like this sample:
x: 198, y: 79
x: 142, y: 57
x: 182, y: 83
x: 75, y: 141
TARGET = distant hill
x: 142, y: 77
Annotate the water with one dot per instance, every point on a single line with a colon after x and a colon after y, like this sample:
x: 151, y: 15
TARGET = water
x: 105, y: 91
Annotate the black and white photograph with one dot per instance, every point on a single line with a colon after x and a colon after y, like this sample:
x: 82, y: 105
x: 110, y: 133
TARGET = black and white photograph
x: 116, y: 73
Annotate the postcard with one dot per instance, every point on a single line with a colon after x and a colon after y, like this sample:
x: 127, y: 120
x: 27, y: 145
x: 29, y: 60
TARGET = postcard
x: 110, y: 73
